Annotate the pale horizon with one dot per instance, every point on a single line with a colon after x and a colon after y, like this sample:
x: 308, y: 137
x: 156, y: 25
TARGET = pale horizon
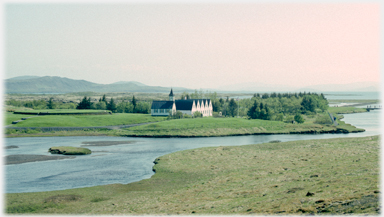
x: 195, y: 45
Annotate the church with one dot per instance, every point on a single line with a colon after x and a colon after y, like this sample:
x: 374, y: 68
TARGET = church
x: 186, y: 106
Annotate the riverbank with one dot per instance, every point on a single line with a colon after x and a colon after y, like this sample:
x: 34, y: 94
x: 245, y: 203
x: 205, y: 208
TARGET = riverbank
x: 187, y: 127
x: 331, y: 176
x: 203, y: 127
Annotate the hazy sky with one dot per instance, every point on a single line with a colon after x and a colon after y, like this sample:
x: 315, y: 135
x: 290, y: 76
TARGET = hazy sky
x: 195, y: 45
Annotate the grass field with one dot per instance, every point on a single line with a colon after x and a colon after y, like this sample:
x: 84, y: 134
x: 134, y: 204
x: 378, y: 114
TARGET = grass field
x: 359, y: 101
x: 345, y: 110
x: 84, y: 120
x: 62, y: 111
x: 333, y: 176
x: 9, y: 117
x: 224, y: 127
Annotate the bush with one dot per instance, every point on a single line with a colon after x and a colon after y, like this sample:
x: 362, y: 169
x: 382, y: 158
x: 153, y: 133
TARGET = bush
x: 197, y: 115
x: 289, y: 119
x: 299, y: 119
x: 279, y: 117
x: 187, y: 116
x: 323, y: 119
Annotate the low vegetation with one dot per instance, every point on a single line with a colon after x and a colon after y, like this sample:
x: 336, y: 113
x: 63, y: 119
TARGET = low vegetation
x: 84, y: 120
x: 69, y: 150
x: 346, y: 110
x: 201, y: 127
x: 332, y: 176
x: 59, y: 111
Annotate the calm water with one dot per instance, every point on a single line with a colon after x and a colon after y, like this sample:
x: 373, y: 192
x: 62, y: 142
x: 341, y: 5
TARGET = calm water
x: 127, y: 163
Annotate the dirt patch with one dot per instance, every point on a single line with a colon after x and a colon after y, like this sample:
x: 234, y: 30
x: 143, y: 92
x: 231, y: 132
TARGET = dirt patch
x: 106, y: 143
x: 26, y: 158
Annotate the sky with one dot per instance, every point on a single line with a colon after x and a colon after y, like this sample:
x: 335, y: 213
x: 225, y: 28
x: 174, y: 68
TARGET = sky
x: 195, y: 45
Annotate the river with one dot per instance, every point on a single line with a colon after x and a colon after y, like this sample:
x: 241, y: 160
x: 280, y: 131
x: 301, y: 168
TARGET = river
x: 126, y: 163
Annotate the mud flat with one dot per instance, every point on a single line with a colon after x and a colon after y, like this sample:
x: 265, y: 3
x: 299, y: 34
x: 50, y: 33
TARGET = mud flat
x: 26, y: 158
x: 106, y: 143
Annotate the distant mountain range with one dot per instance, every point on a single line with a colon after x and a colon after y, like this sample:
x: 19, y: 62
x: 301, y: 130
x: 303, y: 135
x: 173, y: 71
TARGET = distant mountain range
x: 55, y: 84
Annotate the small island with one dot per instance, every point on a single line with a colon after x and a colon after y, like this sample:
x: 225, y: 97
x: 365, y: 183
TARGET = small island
x: 68, y: 150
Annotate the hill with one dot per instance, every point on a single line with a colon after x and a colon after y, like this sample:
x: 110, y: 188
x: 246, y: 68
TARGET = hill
x: 55, y: 84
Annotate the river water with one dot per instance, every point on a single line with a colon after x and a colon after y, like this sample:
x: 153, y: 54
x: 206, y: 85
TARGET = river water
x: 126, y: 163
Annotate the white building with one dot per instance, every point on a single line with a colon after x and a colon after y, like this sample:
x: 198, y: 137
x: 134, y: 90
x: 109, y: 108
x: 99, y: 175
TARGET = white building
x: 188, y: 106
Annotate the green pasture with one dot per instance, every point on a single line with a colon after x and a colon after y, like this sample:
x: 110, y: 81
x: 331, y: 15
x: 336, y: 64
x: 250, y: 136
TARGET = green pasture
x: 10, y: 117
x: 62, y: 111
x: 222, y: 127
x: 332, y: 177
x: 345, y: 110
x: 84, y: 120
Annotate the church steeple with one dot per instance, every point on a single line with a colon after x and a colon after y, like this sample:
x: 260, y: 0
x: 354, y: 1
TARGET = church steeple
x: 171, y: 96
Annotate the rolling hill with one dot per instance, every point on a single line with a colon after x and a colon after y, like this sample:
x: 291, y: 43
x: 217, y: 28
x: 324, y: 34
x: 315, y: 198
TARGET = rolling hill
x: 55, y: 84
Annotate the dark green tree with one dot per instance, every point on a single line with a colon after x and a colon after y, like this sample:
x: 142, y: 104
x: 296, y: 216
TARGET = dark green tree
x: 111, y: 105
x: 232, y: 108
x: 298, y: 118
x: 84, y: 103
x: 51, y: 104
x: 134, y: 103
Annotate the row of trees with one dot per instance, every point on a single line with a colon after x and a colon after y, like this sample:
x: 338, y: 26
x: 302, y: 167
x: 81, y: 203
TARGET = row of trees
x: 41, y: 104
x: 122, y: 107
x: 276, y: 108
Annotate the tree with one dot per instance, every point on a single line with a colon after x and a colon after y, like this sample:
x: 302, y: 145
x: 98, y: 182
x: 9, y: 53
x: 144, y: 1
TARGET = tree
x: 185, y: 95
x: 103, y: 99
x: 134, y: 103
x: 279, y: 117
x: 298, y: 118
x: 51, y: 104
x: 232, y: 108
x: 197, y: 115
x: 85, y: 103
x: 101, y: 105
x: 252, y: 113
x: 111, y: 105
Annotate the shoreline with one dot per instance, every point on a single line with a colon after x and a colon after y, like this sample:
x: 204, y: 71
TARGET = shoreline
x: 334, y: 131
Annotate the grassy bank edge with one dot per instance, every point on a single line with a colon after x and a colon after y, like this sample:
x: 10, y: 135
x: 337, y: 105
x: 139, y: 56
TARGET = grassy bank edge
x: 188, y: 187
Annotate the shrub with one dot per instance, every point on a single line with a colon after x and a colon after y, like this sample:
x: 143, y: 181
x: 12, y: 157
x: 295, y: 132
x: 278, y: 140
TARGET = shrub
x: 197, y: 115
x: 289, y: 119
x: 323, y: 119
x: 279, y: 117
x: 299, y: 119
x: 187, y: 116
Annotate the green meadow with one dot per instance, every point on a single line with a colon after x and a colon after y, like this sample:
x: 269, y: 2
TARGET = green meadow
x: 332, y: 176
x: 62, y: 111
x: 228, y: 127
x: 345, y: 110
x: 83, y: 120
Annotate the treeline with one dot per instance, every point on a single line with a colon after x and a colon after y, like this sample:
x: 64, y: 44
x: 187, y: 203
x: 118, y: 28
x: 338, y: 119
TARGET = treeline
x: 124, y: 106
x: 276, y: 107
x: 41, y: 104
x: 267, y: 106
x: 132, y: 106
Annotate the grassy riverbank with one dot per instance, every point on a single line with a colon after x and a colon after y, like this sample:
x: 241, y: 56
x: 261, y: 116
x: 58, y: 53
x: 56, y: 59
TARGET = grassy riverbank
x: 203, y: 127
x: 82, y: 120
x: 197, y: 127
x: 346, y: 110
x: 333, y: 176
